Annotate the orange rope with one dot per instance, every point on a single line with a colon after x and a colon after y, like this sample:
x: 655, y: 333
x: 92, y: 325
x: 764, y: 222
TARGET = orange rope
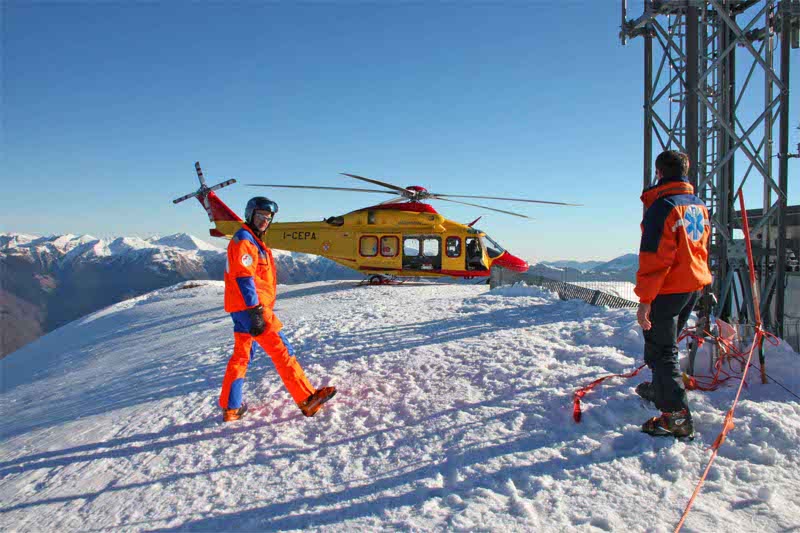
x: 727, y: 425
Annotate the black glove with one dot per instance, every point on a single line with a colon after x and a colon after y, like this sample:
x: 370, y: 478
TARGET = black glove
x: 257, y: 322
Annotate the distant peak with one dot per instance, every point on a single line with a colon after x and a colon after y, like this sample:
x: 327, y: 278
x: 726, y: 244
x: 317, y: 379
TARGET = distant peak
x: 183, y: 241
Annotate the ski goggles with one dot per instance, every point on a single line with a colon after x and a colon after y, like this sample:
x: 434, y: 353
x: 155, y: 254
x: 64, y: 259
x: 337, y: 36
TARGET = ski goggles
x: 262, y: 216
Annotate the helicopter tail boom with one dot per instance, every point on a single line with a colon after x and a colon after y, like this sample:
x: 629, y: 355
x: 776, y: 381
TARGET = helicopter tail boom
x: 226, y: 222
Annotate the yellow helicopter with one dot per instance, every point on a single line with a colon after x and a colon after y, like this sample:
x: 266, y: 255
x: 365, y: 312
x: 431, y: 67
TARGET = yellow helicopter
x: 401, y: 237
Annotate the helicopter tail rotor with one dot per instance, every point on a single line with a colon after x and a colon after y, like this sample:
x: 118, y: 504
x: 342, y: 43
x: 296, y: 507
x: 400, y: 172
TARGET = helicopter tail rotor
x: 225, y: 221
x: 203, y: 191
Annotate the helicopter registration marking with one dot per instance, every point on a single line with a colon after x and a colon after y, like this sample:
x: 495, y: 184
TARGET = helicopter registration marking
x: 300, y: 235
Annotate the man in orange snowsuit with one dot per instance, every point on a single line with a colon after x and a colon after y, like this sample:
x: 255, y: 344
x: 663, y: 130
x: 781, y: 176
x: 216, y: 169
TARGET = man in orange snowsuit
x: 250, y: 282
x: 673, y: 269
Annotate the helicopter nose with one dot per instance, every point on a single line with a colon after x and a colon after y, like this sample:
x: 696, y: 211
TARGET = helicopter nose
x: 511, y: 262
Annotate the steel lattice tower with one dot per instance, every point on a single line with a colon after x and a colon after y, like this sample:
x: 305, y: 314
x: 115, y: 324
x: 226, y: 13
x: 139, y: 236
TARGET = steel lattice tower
x: 715, y: 88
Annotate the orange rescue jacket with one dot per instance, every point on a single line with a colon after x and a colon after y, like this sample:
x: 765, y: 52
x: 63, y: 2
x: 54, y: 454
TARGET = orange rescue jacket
x: 673, y: 255
x: 250, y: 276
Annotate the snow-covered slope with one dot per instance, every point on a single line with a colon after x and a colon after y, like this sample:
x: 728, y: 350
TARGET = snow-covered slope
x: 453, y: 413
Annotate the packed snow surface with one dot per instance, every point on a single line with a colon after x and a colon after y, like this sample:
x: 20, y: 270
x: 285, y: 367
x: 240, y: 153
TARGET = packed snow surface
x: 453, y: 413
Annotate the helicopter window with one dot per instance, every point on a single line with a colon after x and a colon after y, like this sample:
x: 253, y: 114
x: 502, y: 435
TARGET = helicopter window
x: 453, y: 246
x: 492, y: 248
x: 411, y: 246
x: 370, y: 217
x: 474, y: 256
x: 368, y: 246
x: 430, y: 247
x: 389, y: 246
x: 473, y: 247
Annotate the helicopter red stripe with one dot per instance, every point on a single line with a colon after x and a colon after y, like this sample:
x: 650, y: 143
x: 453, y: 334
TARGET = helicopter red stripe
x: 465, y: 273
x: 453, y: 273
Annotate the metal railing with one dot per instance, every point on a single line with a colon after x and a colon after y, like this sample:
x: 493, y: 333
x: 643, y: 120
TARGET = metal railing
x: 565, y: 291
x: 791, y: 333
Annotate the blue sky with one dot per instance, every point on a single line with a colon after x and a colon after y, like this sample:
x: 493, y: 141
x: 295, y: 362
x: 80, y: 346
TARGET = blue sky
x: 108, y: 105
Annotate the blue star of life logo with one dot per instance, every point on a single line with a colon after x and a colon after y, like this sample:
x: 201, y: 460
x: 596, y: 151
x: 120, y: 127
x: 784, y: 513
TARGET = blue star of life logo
x: 694, y: 221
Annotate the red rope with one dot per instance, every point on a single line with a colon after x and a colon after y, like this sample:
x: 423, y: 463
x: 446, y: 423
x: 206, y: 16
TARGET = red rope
x: 580, y: 393
x: 727, y: 355
x: 728, y: 425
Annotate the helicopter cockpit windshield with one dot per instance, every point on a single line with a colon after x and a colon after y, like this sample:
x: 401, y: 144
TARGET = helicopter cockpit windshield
x: 492, y: 248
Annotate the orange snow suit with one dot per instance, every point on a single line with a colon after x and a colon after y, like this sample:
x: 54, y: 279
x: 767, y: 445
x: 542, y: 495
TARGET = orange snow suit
x: 673, y: 255
x: 250, y: 280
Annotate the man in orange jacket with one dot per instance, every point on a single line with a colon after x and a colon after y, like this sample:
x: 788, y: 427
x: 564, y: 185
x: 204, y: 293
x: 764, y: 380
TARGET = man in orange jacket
x: 250, y: 281
x: 673, y: 269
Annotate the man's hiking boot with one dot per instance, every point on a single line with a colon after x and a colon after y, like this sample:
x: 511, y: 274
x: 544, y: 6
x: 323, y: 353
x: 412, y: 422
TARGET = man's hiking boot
x: 646, y: 391
x: 229, y: 415
x: 678, y: 424
x: 313, y: 403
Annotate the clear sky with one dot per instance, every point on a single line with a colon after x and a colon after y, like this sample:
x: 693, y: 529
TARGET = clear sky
x: 106, y: 107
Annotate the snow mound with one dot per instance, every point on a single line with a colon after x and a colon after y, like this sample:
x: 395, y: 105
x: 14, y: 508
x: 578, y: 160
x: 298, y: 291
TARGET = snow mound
x: 522, y: 289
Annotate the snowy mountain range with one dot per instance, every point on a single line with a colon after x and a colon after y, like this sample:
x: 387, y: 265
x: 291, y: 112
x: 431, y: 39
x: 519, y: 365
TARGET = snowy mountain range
x: 624, y: 266
x: 577, y: 265
x: 49, y: 281
x: 454, y: 413
x: 620, y: 269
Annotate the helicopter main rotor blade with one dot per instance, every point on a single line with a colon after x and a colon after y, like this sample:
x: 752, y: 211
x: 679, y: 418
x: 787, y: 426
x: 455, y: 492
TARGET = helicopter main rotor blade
x: 381, y: 183
x: 316, y: 187
x: 442, y: 196
x: 485, y: 207
x: 393, y: 201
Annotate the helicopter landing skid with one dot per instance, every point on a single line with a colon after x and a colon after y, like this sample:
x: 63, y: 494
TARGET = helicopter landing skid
x: 379, y: 279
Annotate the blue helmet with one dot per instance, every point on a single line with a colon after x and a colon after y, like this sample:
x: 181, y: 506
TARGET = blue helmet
x: 259, y: 203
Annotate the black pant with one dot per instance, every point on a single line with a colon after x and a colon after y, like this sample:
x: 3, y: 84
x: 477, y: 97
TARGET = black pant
x: 668, y: 316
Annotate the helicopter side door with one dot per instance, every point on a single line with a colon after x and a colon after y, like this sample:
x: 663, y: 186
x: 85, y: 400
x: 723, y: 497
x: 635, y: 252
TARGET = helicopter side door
x: 422, y: 252
x: 474, y: 254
